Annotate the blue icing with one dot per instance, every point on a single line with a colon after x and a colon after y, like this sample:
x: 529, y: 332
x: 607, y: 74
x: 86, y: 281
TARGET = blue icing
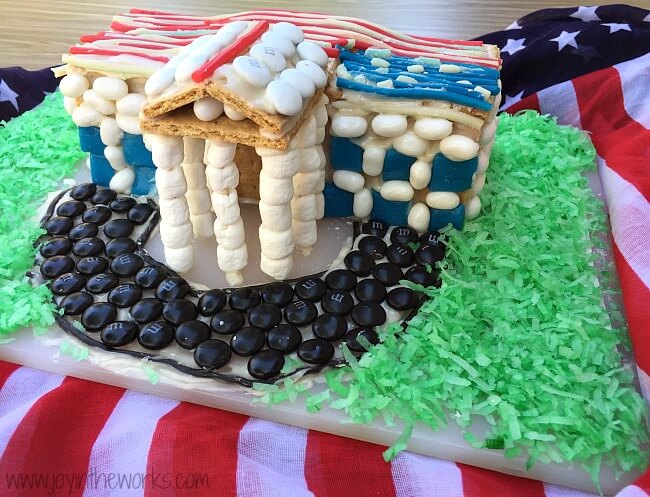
x: 90, y: 141
x: 338, y: 202
x: 442, y: 217
x: 101, y: 171
x: 450, y: 176
x: 396, y: 166
x: 389, y: 211
x: 135, y: 152
x: 344, y: 154
x: 144, y: 180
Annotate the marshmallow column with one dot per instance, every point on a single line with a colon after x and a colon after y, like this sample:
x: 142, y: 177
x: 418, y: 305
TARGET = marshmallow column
x: 276, y: 192
x: 308, y: 183
x: 222, y: 178
x: 175, y: 226
x: 197, y: 195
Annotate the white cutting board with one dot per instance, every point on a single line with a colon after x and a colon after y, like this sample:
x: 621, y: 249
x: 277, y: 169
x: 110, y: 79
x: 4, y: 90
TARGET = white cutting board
x: 43, y: 353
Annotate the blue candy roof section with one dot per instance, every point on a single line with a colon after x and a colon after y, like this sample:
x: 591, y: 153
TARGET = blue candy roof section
x: 431, y: 84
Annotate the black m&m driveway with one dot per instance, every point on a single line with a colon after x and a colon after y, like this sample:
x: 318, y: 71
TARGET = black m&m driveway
x: 113, y: 295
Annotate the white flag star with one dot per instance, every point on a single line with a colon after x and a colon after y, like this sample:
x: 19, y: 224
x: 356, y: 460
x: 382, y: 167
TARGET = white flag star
x: 615, y: 26
x: 586, y: 14
x: 514, y: 25
x: 513, y: 46
x: 646, y: 18
x: 510, y: 101
x: 7, y: 94
x: 566, y: 39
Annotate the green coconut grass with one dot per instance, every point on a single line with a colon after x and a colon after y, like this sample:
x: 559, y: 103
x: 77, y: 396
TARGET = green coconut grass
x: 37, y: 151
x: 517, y: 335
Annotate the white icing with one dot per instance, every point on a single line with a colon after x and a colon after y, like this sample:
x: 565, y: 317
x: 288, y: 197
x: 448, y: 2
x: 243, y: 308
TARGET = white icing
x: 271, y: 57
x: 109, y: 132
x: 308, y: 50
x: 420, y: 174
x: 373, y: 160
x: 85, y: 115
x: 389, y: 125
x: 130, y: 104
x: 419, y: 217
x: 459, y: 147
x: 284, y: 97
x: 442, y: 200
x: 347, y: 126
x: 207, y: 109
x: 449, y: 68
x: 73, y: 85
x: 106, y: 107
x: 288, y: 30
x: 396, y: 190
x: 170, y: 183
x: 173, y: 211
x: 432, y: 128
x: 410, y: 144
x: 115, y: 157
x: 122, y: 180
x: 167, y: 151
x: 295, y: 78
x: 473, y: 208
x: 348, y: 180
x: 159, y: 81
x: 280, y: 41
x: 362, y: 203
x: 110, y: 88
x: 314, y: 71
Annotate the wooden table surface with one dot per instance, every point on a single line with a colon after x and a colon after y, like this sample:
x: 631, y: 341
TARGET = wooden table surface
x: 34, y: 33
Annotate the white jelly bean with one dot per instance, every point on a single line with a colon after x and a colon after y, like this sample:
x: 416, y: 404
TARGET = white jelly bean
x: 110, y: 132
x: 442, y: 200
x: 295, y: 78
x: 110, y: 88
x: 459, y: 147
x: 478, y: 184
x: 348, y: 126
x: 279, y: 41
x: 233, y: 114
x: 130, y: 124
x: 308, y: 50
x: 348, y: 180
x: 399, y: 191
x: 69, y: 104
x: 271, y: 57
x: 103, y: 105
x: 85, y: 115
x: 362, y: 203
x: 431, y: 128
x: 73, y: 85
x: 389, y: 125
x: 284, y: 98
x: 419, y: 217
x: 373, y: 160
x: 207, y: 109
x: 314, y: 71
x: 420, y: 174
x: 288, y: 30
x: 410, y: 144
x: 130, y: 104
x: 252, y: 71
x: 122, y: 180
x: 473, y: 208
x: 115, y: 157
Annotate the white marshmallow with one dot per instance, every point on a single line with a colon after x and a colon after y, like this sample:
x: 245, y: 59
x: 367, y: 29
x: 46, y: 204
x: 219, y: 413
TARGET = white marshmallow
x: 431, y: 128
x: 348, y: 180
x: 174, y: 211
x: 288, y: 30
x: 488, y: 132
x: 348, y: 126
x: 306, y: 183
x: 305, y: 233
x: 170, y: 183
x: 110, y: 88
x: 207, y: 109
x: 320, y: 134
x: 389, y: 125
x: 400, y: 191
x: 122, y: 180
x: 483, y: 162
x: 320, y: 206
x: 410, y: 144
x: 275, y: 191
x: 419, y: 217
x: 222, y: 178
x: 194, y: 175
x: 276, y: 244
x: 278, y: 216
x: 252, y: 71
x: 167, y: 151
x: 310, y: 158
x: 478, y: 184
x: 203, y: 224
x: 193, y: 149
x: 306, y: 137
x: 284, y: 97
x: 373, y: 160
x: 312, y: 70
x: 115, y: 157
x: 109, y: 132
x: 130, y: 104
x: 442, y: 200
x: 180, y: 259
x: 219, y: 154
x: 73, y: 85
x: 320, y: 113
x: 362, y: 203
x: 85, y: 115
x: 198, y: 201
x: 271, y: 57
x: 230, y: 236
x: 295, y: 78
x: 130, y: 124
x: 69, y: 104
x: 176, y: 236
x: 279, y: 269
x: 106, y: 107
x: 282, y: 166
x: 232, y: 260
x: 226, y: 206
x: 473, y: 208
x: 280, y: 41
x: 459, y: 147
x: 232, y: 114
x: 303, y: 207
x: 420, y: 174
x: 308, y: 50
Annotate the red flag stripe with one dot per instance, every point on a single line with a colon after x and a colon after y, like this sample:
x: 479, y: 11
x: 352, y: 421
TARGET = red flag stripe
x: 479, y: 482
x: 333, y: 463
x: 530, y: 102
x: 621, y: 141
x: 194, y: 453
x: 56, y: 436
x: 6, y: 370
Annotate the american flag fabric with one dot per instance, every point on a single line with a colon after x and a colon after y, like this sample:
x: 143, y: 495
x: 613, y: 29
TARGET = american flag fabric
x: 61, y: 436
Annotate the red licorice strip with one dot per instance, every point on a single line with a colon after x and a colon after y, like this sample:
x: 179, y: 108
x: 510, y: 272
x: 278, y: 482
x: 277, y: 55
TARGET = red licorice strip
x: 228, y: 54
x: 103, y: 51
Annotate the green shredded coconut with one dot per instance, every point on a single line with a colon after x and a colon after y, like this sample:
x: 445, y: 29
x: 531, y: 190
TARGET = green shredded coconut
x: 71, y: 349
x: 37, y: 150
